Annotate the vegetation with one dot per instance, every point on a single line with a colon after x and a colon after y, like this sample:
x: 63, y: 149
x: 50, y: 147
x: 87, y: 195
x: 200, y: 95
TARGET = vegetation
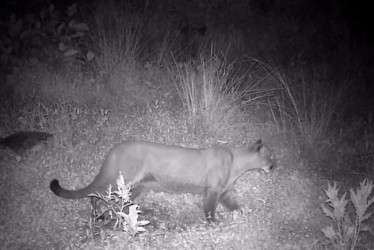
x: 196, y: 74
x: 345, y: 234
x: 114, y: 209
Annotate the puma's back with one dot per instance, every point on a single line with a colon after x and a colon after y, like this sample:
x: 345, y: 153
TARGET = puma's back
x: 140, y: 162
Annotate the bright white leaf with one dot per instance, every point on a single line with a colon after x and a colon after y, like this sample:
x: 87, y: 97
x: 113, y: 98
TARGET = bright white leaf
x: 143, y: 222
x: 140, y: 229
x: 122, y: 214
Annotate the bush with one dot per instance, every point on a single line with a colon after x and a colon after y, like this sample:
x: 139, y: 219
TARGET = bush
x: 113, y: 207
x: 345, y: 233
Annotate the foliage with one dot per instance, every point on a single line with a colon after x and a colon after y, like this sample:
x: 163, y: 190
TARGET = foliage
x: 113, y: 207
x: 116, y: 41
x: 116, y: 37
x: 42, y: 29
x: 213, y: 89
x: 345, y: 234
x: 304, y: 104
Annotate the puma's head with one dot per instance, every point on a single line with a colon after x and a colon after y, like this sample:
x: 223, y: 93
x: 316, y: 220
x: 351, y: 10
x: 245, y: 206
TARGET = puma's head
x: 263, y: 156
x: 254, y: 156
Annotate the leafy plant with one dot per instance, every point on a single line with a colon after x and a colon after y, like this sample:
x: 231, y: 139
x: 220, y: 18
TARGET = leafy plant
x: 345, y: 234
x: 68, y: 31
x: 37, y: 30
x: 116, y: 206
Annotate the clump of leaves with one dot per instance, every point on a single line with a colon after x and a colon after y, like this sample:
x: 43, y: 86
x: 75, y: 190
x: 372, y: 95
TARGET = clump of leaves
x: 116, y: 206
x: 346, y: 232
x: 45, y: 27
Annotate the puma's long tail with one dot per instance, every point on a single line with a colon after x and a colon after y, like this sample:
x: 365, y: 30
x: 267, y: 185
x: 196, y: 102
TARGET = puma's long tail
x: 97, y: 185
x: 67, y: 194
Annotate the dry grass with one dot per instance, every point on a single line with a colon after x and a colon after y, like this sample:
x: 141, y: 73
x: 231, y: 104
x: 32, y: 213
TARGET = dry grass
x: 206, y: 91
x: 303, y: 106
x: 216, y: 91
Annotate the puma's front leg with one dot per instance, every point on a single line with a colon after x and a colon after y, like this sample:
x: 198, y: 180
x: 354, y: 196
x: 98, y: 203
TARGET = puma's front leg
x: 210, y: 202
x: 228, y: 201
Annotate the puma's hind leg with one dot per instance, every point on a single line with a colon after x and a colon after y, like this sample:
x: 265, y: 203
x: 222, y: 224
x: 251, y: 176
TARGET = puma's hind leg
x: 228, y: 201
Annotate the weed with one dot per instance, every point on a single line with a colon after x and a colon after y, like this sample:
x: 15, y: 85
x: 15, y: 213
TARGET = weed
x: 345, y: 233
x: 116, y: 38
x: 113, y: 207
x: 305, y: 105
x: 365, y: 146
x: 45, y: 27
x: 214, y: 90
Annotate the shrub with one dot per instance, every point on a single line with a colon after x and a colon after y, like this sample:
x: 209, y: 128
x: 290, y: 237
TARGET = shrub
x: 345, y: 233
x: 214, y: 90
x: 305, y: 104
x: 113, y: 207
x: 41, y: 29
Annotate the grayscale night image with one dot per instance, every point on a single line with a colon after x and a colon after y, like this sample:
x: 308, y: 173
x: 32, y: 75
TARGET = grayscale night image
x: 186, y: 124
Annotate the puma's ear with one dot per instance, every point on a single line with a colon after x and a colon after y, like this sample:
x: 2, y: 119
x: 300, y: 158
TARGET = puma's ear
x: 256, y: 147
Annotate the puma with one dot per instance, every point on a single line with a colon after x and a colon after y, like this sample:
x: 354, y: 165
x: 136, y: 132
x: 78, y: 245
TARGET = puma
x: 161, y: 168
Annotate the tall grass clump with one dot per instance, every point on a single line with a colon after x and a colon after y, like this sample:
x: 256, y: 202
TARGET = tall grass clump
x: 345, y: 233
x: 212, y: 89
x: 116, y: 38
x: 364, y: 146
x: 306, y: 107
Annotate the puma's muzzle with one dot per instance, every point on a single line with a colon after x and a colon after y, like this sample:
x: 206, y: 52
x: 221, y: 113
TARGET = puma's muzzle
x: 269, y: 168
